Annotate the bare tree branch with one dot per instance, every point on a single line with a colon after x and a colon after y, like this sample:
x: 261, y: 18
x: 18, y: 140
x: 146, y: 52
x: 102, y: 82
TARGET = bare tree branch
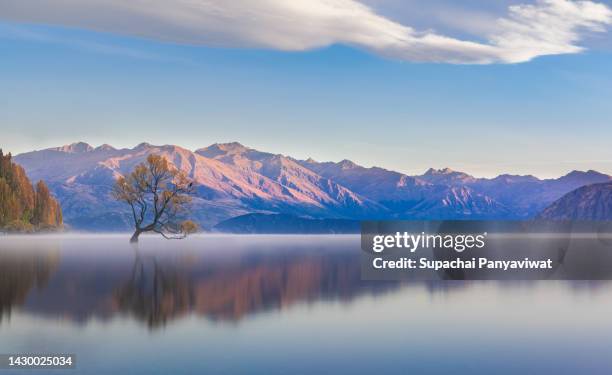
x: 157, y: 195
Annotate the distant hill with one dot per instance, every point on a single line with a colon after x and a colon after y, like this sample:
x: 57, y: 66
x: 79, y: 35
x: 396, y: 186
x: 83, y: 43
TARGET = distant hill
x: 286, y: 224
x: 592, y: 202
x: 24, y: 207
x: 448, y: 194
x: 232, y: 180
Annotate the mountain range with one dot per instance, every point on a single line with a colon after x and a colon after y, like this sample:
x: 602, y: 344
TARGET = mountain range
x: 587, y: 203
x: 233, y: 180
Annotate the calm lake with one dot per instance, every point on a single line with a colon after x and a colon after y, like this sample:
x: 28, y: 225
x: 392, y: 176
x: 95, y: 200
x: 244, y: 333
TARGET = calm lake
x: 282, y: 305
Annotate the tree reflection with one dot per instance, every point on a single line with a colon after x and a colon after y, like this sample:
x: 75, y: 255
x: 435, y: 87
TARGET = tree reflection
x: 160, y: 290
x: 19, y: 274
x: 155, y: 292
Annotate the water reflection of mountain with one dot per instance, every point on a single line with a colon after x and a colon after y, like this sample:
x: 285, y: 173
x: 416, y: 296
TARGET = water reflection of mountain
x: 219, y: 279
x: 232, y: 293
x: 157, y: 289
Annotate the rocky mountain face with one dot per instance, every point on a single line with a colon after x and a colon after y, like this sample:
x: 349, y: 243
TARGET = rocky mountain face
x: 448, y: 194
x: 592, y: 202
x: 233, y: 180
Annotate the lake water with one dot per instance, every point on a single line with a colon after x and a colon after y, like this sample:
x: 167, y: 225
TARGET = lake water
x: 282, y: 305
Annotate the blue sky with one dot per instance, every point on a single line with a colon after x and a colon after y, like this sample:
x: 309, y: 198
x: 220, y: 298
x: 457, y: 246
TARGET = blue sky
x: 321, y: 94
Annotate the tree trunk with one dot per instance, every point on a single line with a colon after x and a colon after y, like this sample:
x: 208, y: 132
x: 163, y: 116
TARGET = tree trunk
x: 134, y: 238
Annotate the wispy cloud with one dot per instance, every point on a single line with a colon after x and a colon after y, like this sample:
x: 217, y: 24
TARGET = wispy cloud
x: 28, y: 34
x: 526, y: 31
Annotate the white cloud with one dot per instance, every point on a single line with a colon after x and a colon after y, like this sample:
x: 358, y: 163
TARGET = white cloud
x: 547, y: 28
x: 543, y: 28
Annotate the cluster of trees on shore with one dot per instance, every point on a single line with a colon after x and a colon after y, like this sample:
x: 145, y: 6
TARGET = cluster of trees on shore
x: 24, y: 207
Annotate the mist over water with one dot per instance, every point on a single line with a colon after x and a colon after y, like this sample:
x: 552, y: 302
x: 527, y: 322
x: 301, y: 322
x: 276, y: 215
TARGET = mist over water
x: 282, y: 304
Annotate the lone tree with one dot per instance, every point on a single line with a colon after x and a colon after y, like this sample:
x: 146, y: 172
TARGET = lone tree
x: 158, y: 196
